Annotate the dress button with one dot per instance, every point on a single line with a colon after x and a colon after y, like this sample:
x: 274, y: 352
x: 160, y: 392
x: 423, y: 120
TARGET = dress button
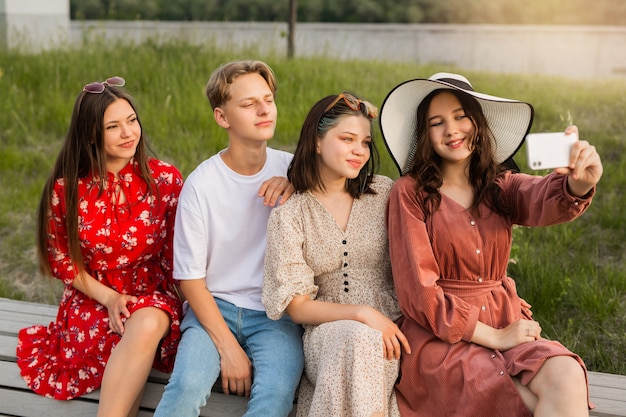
x: 493, y: 356
x: 345, y: 283
x: 483, y: 308
x: 345, y: 274
x: 344, y: 241
x: 345, y: 290
x: 478, y: 251
x: 575, y: 203
x: 345, y: 254
x: 473, y: 223
x: 345, y: 265
x: 501, y: 372
x: 480, y: 279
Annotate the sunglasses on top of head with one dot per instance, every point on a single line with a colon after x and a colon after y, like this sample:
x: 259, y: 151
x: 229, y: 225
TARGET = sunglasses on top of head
x: 98, y: 87
x: 355, y: 104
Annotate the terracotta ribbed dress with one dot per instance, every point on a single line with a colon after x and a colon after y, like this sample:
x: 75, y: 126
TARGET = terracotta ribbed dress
x: 450, y: 272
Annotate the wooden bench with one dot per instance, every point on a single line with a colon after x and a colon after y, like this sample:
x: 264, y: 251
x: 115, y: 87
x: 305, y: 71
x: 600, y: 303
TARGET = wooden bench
x: 608, y: 391
x: 17, y: 400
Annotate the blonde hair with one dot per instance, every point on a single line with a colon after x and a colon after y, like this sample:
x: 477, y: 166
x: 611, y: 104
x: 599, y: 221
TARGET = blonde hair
x: 217, y: 89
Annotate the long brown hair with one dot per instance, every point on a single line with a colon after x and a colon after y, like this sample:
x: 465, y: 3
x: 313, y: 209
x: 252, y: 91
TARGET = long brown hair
x: 483, y: 170
x: 82, y: 154
x: 304, y: 170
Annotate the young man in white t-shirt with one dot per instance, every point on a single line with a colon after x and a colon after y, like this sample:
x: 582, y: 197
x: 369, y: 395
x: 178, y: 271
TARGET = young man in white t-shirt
x: 219, y: 249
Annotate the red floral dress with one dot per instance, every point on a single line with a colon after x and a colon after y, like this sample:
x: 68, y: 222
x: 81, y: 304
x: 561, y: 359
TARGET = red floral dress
x: 127, y: 247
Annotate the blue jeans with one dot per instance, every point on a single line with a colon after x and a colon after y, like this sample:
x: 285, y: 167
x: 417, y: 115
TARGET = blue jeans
x: 274, y: 348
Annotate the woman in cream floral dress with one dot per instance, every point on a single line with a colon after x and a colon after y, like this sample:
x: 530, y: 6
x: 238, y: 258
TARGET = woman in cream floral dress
x: 327, y: 265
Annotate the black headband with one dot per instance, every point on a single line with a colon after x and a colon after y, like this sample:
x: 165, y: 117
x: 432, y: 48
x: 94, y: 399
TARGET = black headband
x: 457, y: 83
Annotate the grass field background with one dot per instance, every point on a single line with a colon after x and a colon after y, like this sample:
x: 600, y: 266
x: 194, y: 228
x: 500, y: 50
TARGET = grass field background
x: 574, y: 275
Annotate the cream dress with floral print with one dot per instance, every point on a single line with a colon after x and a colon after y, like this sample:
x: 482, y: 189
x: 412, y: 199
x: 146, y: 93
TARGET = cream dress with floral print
x: 307, y: 253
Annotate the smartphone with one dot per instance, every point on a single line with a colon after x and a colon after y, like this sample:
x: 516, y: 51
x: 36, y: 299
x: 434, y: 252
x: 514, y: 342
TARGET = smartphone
x: 549, y: 150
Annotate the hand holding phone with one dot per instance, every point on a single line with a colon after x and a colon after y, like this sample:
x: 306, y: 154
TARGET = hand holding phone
x: 549, y: 150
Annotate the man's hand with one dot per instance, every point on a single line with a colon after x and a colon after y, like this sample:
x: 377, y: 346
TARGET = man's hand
x: 236, y: 370
x: 274, y: 188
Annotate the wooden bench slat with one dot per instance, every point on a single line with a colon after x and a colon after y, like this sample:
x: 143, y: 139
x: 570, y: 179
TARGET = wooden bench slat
x: 27, y: 307
x: 11, y: 324
x: 218, y: 405
x: 608, y: 408
x: 25, y: 404
x: 7, y: 347
x: 601, y: 379
x: 607, y: 391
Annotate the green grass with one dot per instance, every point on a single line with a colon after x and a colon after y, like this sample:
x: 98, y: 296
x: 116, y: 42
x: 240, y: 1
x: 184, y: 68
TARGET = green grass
x: 572, y: 274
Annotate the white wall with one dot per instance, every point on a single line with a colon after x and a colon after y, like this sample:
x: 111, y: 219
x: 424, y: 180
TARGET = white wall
x: 34, y: 24
x: 570, y: 51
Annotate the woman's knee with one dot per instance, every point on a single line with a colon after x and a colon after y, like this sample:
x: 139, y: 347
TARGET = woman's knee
x: 560, y: 374
x: 148, y: 323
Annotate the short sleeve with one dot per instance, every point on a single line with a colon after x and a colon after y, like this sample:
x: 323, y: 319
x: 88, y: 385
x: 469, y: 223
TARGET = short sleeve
x: 286, y: 273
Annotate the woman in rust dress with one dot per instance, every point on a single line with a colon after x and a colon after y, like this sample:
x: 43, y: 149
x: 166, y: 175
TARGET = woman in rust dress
x: 476, y: 351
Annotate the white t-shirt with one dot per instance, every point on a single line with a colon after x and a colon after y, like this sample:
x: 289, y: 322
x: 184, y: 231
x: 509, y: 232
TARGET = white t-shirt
x: 221, y: 226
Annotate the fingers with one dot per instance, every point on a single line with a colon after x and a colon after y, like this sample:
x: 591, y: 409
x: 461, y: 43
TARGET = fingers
x: 389, y: 348
x: 532, y: 331
x: 405, y: 342
x: 571, y: 129
x: 241, y: 387
x: 116, y: 324
x: 392, y: 346
x: 120, y: 312
x: 586, y: 157
x: 585, y: 170
x: 585, y: 167
x: 274, y: 189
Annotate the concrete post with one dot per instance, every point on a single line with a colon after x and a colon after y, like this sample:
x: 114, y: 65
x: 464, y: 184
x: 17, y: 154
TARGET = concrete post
x: 34, y: 25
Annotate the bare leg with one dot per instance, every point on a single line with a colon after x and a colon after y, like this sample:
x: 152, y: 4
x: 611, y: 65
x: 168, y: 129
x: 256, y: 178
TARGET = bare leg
x: 529, y: 399
x: 128, y: 367
x: 135, y: 408
x: 560, y: 389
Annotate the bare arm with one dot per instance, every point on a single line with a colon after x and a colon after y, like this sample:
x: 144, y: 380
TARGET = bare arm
x: 304, y: 310
x: 514, y: 334
x: 114, y: 301
x: 236, y: 368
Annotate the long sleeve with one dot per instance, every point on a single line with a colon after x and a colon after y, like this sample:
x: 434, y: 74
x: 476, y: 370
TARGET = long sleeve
x: 58, y: 251
x: 415, y: 270
x: 170, y: 183
x: 542, y: 201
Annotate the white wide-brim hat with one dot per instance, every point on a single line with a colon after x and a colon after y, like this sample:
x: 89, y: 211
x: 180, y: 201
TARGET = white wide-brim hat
x: 509, y: 120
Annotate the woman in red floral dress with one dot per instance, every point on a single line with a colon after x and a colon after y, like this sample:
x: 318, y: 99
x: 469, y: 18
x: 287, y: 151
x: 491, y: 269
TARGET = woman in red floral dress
x: 105, y: 229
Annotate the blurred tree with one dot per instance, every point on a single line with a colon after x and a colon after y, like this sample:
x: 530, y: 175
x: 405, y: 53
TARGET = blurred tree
x: 572, y: 12
x: 134, y: 9
x: 87, y: 9
x: 253, y: 10
x: 188, y: 9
